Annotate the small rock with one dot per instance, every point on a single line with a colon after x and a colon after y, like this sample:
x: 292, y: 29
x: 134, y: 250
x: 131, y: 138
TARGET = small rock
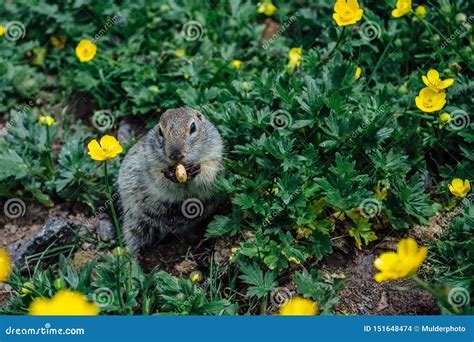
x: 88, y: 246
x: 383, y: 303
x: 105, y: 230
x: 83, y: 231
x: 125, y: 131
x: 53, y: 231
x: 185, y: 266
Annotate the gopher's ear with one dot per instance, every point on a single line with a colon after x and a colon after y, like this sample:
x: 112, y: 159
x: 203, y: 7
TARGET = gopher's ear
x: 199, y: 115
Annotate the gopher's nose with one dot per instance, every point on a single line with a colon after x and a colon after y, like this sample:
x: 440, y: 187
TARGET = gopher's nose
x: 176, y: 155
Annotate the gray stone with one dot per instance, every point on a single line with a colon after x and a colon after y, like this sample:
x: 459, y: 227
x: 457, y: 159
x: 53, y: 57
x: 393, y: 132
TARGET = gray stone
x: 105, y: 230
x: 54, y: 231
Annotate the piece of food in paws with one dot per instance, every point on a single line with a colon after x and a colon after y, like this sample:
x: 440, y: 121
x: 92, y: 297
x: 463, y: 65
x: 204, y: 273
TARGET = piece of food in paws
x: 181, y: 174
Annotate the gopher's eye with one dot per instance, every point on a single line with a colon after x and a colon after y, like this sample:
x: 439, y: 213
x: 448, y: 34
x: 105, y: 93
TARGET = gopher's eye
x: 160, y: 132
x: 192, y: 129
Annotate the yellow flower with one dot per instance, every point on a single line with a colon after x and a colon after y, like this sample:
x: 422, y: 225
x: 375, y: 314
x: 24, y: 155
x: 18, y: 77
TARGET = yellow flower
x: 421, y: 11
x: 380, y: 192
x: 358, y: 73
x: 430, y: 101
x: 86, y: 50
x: 267, y: 8
x: 435, y: 83
x: 109, y: 148
x: 294, y: 260
x: 295, y: 57
x: 237, y: 63
x: 58, y: 41
x: 347, y: 12
x: 303, y: 232
x: 180, y: 53
x: 401, y: 264
x: 5, y: 265
x: 459, y: 188
x: 403, y: 7
x: 196, y: 277
x: 445, y: 117
x: 46, y: 120
x: 299, y: 307
x: 63, y: 303
x: 2, y: 30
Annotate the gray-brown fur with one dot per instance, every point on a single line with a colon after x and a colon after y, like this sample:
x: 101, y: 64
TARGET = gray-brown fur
x: 152, y: 203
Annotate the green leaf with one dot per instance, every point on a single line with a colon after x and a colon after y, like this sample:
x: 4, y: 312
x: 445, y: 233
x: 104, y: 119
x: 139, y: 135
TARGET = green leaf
x: 12, y: 164
x: 260, y: 283
x: 362, y: 232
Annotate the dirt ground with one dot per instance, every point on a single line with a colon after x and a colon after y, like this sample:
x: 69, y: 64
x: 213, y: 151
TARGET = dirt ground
x: 178, y: 254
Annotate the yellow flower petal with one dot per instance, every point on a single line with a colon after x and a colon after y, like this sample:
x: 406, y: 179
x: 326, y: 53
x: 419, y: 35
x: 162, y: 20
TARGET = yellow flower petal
x: 459, y: 188
x: 63, y: 303
x: 402, y: 264
x: 267, y: 8
x: 46, y: 120
x: 433, y: 76
x: 95, y: 151
x: 429, y: 100
x: 237, y: 63
x: 446, y: 83
x: 358, y: 73
x: 5, y: 265
x: 86, y: 50
x: 299, y: 307
x: 347, y: 12
x: 403, y: 7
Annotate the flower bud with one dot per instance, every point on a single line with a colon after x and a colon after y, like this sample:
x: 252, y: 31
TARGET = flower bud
x: 435, y: 38
x: 27, y: 289
x: 59, y: 284
x: 196, y: 277
x: 446, y: 9
x: 444, y: 117
x: 460, y: 18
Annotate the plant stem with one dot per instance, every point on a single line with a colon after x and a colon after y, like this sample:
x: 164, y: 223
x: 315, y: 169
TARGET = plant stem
x: 112, y: 207
x: 334, y: 49
x: 263, y: 307
x: 117, y: 283
x: 429, y: 26
x: 50, y: 158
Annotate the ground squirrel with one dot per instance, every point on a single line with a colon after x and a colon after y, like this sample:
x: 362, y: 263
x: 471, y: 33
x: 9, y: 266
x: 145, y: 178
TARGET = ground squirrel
x: 154, y: 202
